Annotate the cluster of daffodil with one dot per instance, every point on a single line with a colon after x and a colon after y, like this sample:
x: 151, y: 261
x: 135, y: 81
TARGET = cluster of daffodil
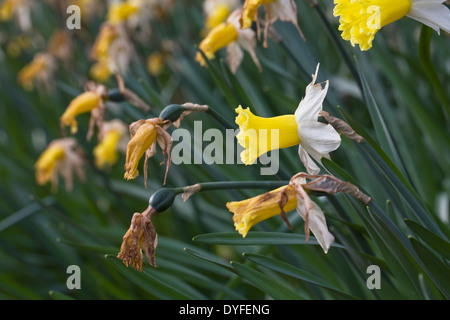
x: 235, y: 25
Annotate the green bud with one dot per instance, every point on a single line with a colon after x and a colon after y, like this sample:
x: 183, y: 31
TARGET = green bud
x: 115, y: 95
x: 162, y: 199
x: 172, y: 112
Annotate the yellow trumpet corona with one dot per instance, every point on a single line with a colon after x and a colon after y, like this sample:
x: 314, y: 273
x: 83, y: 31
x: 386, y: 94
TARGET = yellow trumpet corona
x: 249, y: 212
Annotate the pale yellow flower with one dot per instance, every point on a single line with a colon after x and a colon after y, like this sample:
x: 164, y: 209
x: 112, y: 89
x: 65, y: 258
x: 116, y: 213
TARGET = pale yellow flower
x: 39, y: 71
x: 61, y: 156
x: 113, y: 140
x: 85, y: 102
x: 229, y: 34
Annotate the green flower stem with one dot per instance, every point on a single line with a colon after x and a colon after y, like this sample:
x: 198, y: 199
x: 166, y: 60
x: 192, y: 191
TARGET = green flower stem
x: 222, y: 120
x: 224, y: 185
x: 427, y: 65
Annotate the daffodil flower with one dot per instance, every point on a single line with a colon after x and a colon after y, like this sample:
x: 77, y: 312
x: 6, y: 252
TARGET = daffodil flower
x: 229, y: 34
x: 144, y: 135
x: 294, y: 195
x: 88, y: 101
x: 39, y: 71
x: 61, y: 156
x: 113, y: 139
x: 141, y: 236
x: 249, y: 212
x: 315, y: 139
x: 284, y: 10
x: 20, y: 9
x: 119, y: 12
x: 112, y: 50
x: 360, y: 20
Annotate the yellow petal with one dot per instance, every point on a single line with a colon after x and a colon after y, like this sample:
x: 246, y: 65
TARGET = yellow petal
x: 217, y: 38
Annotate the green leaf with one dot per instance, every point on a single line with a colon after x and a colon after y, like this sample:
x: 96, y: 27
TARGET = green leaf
x: 257, y: 238
x: 89, y: 247
x: 265, y: 283
x: 285, y: 268
x: 56, y: 295
x: 149, y: 282
x: 434, y: 241
x: 439, y: 270
x: 209, y: 259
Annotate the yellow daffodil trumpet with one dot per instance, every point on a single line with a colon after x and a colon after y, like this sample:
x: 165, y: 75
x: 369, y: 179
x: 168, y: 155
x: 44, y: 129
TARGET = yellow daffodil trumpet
x: 360, y: 20
x: 251, y: 211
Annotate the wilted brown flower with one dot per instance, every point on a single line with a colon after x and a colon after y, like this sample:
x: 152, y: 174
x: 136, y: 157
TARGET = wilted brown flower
x: 141, y: 236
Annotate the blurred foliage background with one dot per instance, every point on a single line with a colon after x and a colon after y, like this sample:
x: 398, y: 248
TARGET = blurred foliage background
x: 387, y: 94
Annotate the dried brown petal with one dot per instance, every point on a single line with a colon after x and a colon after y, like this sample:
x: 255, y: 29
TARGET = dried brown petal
x: 332, y: 185
x: 342, y: 127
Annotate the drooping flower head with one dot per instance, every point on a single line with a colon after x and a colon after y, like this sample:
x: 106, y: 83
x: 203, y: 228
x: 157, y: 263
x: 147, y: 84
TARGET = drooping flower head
x: 62, y: 156
x: 140, y: 237
x: 88, y: 101
x: 250, y: 211
x: 315, y: 139
x: 295, y: 195
x: 229, y: 34
x: 284, y: 10
x: 144, y: 135
x: 361, y: 19
x: 39, y: 71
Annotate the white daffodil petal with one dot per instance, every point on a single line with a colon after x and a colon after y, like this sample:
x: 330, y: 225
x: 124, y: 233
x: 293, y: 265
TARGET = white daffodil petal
x: 311, y: 104
x: 431, y: 13
x: 234, y: 56
x: 317, y: 224
x: 310, y: 166
x: 318, y: 140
